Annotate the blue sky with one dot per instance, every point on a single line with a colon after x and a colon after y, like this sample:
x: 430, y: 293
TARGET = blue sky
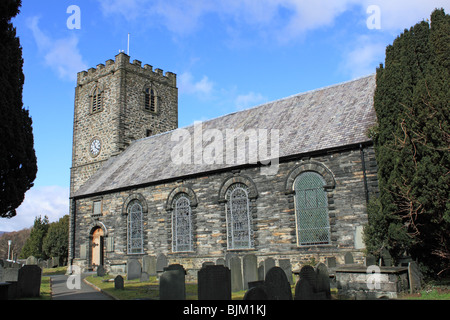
x: 228, y: 55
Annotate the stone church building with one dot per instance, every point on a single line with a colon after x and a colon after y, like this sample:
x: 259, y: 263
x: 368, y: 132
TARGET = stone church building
x: 141, y: 186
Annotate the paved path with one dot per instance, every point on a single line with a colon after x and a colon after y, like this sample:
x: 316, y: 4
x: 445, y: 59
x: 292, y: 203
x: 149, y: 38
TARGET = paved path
x: 60, y: 290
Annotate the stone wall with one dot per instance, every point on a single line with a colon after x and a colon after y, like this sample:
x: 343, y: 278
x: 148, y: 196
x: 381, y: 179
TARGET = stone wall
x: 272, y: 208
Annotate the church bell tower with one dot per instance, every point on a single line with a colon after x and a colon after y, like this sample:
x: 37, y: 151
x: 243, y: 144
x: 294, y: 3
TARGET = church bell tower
x: 116, y: 103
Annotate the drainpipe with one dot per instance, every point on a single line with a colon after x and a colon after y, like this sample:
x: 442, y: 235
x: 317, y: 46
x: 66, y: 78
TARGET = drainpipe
x: 363, y: 163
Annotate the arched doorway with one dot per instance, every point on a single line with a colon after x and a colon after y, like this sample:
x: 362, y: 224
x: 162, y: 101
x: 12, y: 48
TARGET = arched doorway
x: 97, y: 248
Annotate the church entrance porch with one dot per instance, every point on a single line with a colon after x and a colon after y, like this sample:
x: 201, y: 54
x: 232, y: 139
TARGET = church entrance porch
x: 96, y: 248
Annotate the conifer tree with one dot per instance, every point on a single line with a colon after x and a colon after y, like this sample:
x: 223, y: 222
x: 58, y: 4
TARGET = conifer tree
x: 412, y: 144
x: 17, y: 156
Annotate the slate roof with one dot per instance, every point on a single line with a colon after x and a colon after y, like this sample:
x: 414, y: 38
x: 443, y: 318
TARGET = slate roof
x: 326, y: 118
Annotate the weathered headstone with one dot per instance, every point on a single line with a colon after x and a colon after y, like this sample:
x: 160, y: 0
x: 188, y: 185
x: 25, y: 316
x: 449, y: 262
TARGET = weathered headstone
x: 145, y: 277
x: 101, y: 271
x: 348, y: 258
x: 331, y: 262
x: 250, y: 269
x: 323, y: 281
x: 415, y: 277
x: 207, y: 263
x: 277, y: 285
x: 161, y: 262
x: 256, y: 293
x: 149, y: 265
x: 31, y: 261
x: 29, y: 281
x: 308, y: 273
x: 1, y: 273
x: 370, y: 260
x: 261, y: 274
x: 220, y: 262
x: 134, y: 269
x: 304, y: 290
x: 285, y: 264
x: 214, y: 283
x: 118, y: 283
x: 269, y: 263
x: 386, y: 258
x: 236, y: 274
x: 172, y: 284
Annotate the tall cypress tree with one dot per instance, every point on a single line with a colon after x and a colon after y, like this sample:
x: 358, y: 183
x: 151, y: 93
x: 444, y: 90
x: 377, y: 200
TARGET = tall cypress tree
x: 18, y: 166
x: 412, y: 144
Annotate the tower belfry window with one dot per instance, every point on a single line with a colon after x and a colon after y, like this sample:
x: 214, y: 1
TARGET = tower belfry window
x: 150, y: 101
x: 97, y: 104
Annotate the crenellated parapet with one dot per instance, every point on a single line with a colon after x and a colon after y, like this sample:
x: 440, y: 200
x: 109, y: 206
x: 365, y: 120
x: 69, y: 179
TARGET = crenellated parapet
x: 122, y: 61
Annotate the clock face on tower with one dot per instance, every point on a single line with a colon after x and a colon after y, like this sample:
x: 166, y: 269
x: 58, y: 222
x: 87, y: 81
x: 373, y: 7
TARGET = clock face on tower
x: 95, y: 147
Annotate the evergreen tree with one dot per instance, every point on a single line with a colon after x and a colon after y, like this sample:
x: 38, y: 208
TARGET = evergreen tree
x: 56, y: 242
x: 34, y: 244
x: 17, y: 156
x: 412, y: 144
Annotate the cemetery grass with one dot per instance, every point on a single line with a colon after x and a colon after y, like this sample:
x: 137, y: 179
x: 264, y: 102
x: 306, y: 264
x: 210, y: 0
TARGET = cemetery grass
x: 135, y: 289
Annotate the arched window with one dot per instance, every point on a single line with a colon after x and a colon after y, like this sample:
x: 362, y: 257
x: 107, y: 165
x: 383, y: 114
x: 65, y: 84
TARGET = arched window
x: 97, y: 102
x: 135, y: 232
x: 181, y: 224
x: 150, y: 100
x: 311, y: 208
x: 238, y: 217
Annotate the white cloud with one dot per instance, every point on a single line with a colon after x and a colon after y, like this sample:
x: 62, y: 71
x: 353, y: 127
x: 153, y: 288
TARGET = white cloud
x: 203, y: 88
x: 364, y: 57
x: 50, y: 201
x: 248, y: 100
x: 61, y: 55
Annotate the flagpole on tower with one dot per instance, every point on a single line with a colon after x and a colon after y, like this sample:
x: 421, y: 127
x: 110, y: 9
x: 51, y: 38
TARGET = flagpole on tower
x: 128, y: 47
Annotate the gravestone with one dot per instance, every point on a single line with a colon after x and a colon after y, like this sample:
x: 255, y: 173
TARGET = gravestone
x: 220, y: 262
x: 269, y: 263
x: 236, y: 274
x: 415, y: 277
x: 256, y: 293
x: 331, y: 262
x: 29, y: 281
x: 348, y: 258
x: 214, y: 283
x: 250, y: 269
x: 207, y: 263
x: 31, y: 261
x: 277, y: 286
x: 161, y: 262
x: 386, y: 258
x: 134, y: 269
x: 261, y: 274
x: 145, y: 277
x: 323, y: 281
x: 303, y: 290
x: 309, y: 274
x: 172, y: 283
x: 101, y: 271
x: 370, y: 260
x: 285, y: 264
x: 149, y: 265
x: 118, y: 283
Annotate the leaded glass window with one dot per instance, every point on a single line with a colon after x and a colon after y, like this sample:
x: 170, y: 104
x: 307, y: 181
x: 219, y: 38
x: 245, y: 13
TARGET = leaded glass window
x: 135, y: 232
x: 238, y: 217
x: 150, y: 100
x: 181, y: 224
x: 311, y: 206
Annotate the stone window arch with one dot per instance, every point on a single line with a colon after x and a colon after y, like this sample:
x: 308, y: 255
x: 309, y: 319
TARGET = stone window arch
x: 182, y: 235
x: 309, y: 183
x: 150, y: 99
x: 96, y: 98
x: 134, y: 208
x: 238, y: 217
x: 180, y: 204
